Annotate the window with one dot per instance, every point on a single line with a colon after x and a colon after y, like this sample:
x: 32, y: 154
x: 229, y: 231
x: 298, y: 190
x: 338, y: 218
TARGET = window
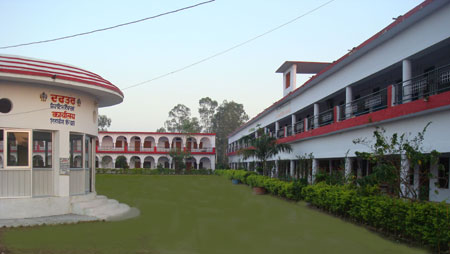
x: 42, y: 149
x: 88, y: 152
x: 1, y: 148
x: 5, y: 105
x: 17, y: 149
x: 443, y: 172
x: 288, y: 79
x: 76, y: 151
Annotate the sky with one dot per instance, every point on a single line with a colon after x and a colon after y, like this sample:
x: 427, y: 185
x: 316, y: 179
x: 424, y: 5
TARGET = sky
x: 132, y: 54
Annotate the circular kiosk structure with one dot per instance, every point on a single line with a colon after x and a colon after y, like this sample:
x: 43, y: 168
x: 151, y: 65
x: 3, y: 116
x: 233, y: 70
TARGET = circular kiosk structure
x: 48, y: 135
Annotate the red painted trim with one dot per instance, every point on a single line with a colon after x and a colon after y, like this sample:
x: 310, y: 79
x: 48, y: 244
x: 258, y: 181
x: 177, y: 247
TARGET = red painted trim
x: 366, y: 42
x: 58, y: 74
x: 389, y: 96
x: 55, y: 68
x: 153, y: 152
x: 157, y: 133
x: 50, y: 63
x: 64, y: 78
x: 433, y: 102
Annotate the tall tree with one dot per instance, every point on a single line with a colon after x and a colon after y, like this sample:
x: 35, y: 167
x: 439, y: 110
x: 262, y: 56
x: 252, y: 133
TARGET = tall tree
x: 103, y: 122
x: 180, y: 120
x: 228, y: 117
x: 162, y: 129
x: 206, y: 110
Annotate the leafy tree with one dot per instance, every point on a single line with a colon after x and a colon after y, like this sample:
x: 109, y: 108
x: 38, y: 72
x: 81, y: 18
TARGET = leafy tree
x: 180, y: 120
x: 179, y: 157
x: 103, y: 122
x: 162, y: 129
x: 262, y: 148
x: 228, y: 117
x: 206, y: 110
x: 387, y: 171
x: 121, y: 162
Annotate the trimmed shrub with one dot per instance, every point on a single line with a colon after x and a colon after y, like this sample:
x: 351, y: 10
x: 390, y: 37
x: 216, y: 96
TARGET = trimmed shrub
x: 427, y: 223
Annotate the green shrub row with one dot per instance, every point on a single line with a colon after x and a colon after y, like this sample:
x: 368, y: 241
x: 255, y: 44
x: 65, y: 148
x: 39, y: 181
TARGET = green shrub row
x: 427, y: 223
x: 290, y: 190
x: 156, y: 171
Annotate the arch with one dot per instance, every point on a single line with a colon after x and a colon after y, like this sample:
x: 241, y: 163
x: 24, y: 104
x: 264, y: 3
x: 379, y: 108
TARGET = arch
x: 163, y: 142
x: 38, y: 161
x: 191, y: 143
x: 135, y: 143
x: 191, y: 163
x: 204, y: 143
x: 149, y: 143
x: 149, y: 162
x: 164, y: 162
x: 107, y: 142
x: 177, y: 142
x: 135, y: 162
x: 205, y: 163
x: 121, y: 142
x: 107, y: 162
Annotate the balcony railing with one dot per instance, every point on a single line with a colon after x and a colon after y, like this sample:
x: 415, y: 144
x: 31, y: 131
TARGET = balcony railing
x: 364, y: 105
x: 289, y: 130
x: 299, y: 127
x: 430, y: 83
x: 151, y: 149
x: 326, y: 117
x: 280, y: 133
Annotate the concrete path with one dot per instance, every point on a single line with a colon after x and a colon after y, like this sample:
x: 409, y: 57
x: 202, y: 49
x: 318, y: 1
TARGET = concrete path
x: 48, y: 220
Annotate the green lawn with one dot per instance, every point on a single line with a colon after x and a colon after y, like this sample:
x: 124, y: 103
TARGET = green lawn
x: 201, y: 214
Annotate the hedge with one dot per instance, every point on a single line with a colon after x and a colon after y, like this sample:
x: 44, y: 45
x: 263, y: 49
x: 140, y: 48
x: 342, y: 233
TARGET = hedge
x: 289, y: 190
x: 426, y: 223
x: 157, y: 171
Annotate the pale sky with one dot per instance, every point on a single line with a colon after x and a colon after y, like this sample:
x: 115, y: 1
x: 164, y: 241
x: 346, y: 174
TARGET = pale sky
x: 135, y: 53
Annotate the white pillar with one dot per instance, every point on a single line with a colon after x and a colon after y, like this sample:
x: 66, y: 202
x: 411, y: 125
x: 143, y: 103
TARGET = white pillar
x: 277, y: 127
x: 316, y: 115
x: 348, y: 168
x: 406, y: 76
x: 404, y: 175
x: 293, y: 121
x: 359, y: 170
x: 292, y: 168
x: 315, y: 167
x: 348, y: 101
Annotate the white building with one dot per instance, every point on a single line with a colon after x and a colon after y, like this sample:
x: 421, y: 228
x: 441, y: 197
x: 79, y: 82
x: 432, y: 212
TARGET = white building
x: 150, y: 149
x: 398, y: 79
x: 48, y: 132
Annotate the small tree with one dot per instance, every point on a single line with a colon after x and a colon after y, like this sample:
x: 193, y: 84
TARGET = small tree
x: 121, y: 162
x: 262, y: 148
x: 385, y: 156
x: 179, y: 157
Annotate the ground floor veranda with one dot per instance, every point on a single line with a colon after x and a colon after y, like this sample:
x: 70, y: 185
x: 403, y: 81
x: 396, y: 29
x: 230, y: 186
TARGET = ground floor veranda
x: 351, y: 168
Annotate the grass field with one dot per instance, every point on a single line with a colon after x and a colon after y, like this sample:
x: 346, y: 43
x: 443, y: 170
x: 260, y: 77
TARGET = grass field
x: 201, y: 214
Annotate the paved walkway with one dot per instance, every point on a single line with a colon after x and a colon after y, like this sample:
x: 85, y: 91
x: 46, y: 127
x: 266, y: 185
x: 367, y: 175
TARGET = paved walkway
x: 48, y: 220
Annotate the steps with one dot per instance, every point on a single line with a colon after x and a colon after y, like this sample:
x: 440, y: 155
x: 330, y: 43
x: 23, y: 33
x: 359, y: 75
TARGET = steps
x: 101, y: 207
